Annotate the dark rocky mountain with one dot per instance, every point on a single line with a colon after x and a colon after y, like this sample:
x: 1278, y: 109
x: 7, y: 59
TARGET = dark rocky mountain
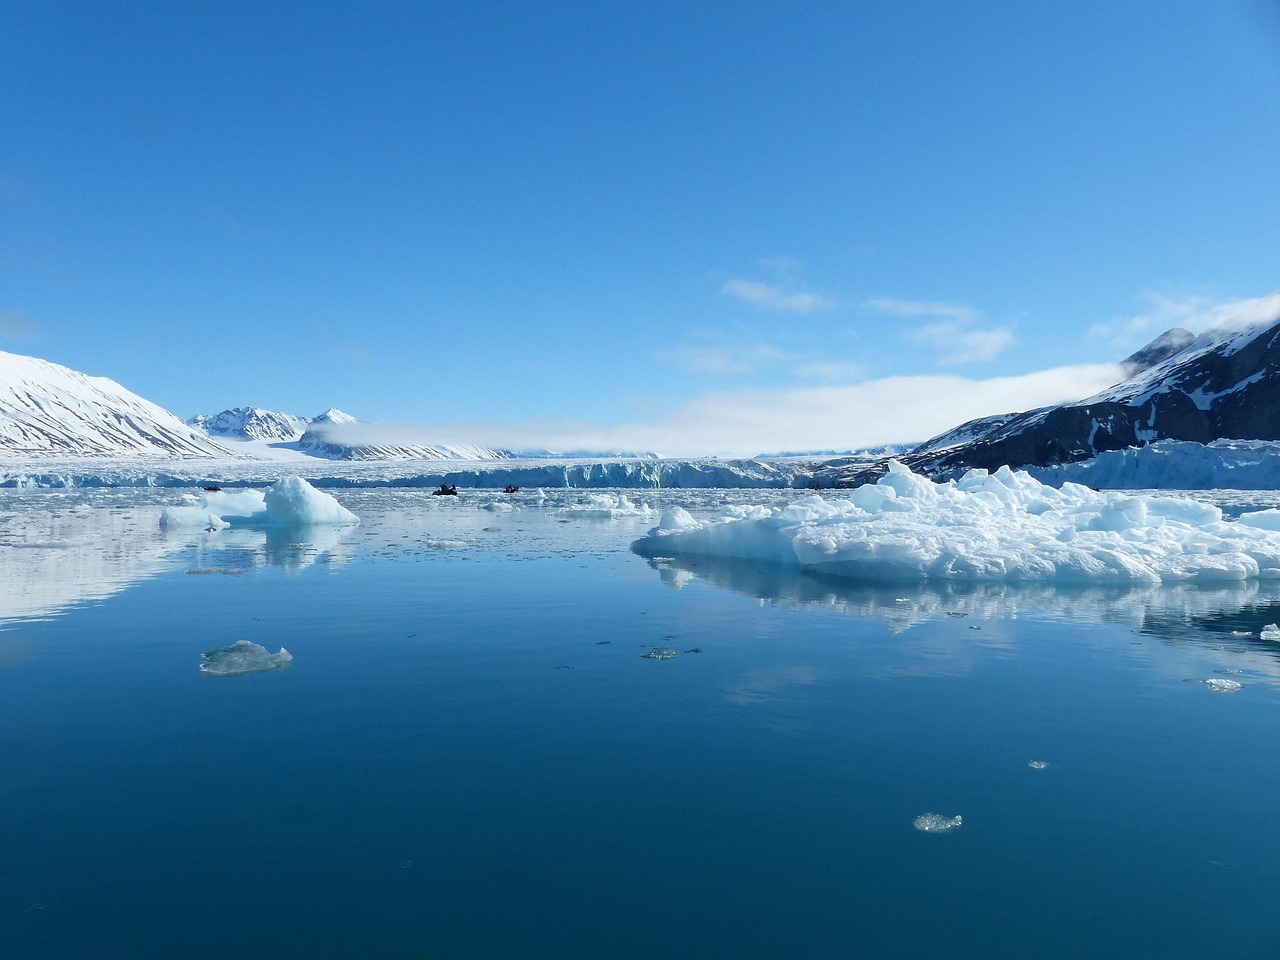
x: 1224, y: 384
x: 1158, y: 350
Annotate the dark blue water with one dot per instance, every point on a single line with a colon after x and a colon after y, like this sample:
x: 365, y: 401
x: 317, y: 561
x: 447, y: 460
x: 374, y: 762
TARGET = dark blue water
x: 470, y: 757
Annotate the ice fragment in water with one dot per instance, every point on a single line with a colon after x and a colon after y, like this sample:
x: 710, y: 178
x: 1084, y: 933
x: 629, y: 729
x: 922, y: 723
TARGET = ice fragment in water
x: 1038, y: 764
x: 1271, y: 632
x: 241, y: 657
x: 1222, y: 685
x: 661, y: 653
x: 937, y: 823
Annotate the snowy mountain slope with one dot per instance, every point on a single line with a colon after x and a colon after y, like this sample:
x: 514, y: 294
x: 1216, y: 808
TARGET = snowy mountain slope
x: 1158, y: 350
x: 1225, y: 385
x: 335, y: 435
x: 251, y: 423
x: 48, y: 409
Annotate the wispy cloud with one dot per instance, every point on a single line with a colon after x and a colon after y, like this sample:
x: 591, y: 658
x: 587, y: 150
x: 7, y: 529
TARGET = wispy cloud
x: 352, y: 353
x: 960, y: 342
x: 830, y: 370
x: 724, y: 359
x: 744, y: 422
x: 771, y: 296
x: 945, y: 309
x: 1195, y: 312
x: 16, y: 326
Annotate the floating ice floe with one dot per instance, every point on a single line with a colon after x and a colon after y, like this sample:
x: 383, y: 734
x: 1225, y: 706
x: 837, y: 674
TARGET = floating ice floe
x: 1004, y: 526
x: 1222, y: 685
x: 1270, y: 632
x: 287, y: 502
x: 1038, y: 764
x: 608, y: 506
x: 445, y: 544
x: 937, y: 823
x: 243, y: 656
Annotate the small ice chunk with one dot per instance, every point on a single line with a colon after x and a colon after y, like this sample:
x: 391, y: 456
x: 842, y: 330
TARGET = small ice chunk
x: 1038, y: 764
x: 937, y: 823
x: 1223, y: 685
x: 243, y: 656
x: 1271, y: 632
x: 661, y: 653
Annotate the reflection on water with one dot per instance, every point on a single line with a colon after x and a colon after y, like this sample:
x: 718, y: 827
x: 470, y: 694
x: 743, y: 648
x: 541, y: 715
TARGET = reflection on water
x: 1225, y: 617
x: 59, y: 551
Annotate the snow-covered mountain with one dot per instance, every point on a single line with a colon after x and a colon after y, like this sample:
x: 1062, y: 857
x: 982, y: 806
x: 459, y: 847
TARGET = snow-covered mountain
x: 1224, y: 384
x: 335, y: 435
x: 251, y: 423
x: 50, y: 410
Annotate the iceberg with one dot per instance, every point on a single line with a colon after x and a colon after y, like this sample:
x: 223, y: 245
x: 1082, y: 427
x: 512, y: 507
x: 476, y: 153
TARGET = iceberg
x: 937, y: 823
x: 287, y: 502
x: 243, y: 656
x: 1002, y: 526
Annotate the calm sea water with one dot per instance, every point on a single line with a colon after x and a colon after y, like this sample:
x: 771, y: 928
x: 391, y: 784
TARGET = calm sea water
x: 470, y: 755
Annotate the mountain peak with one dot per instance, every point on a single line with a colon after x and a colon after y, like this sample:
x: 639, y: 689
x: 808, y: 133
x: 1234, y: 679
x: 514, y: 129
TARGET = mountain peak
x: 1158, y: 350
x: 47, y: 409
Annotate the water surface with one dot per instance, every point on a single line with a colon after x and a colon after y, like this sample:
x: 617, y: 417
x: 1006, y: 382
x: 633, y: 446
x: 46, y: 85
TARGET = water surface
x: 471, y: 756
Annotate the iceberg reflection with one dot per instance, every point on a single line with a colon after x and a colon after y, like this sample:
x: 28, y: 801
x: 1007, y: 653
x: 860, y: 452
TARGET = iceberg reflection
x: 62, y: 550
x: 1230, y: 615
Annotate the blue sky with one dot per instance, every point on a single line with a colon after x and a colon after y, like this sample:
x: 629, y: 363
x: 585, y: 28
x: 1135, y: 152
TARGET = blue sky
x: 692, y: 226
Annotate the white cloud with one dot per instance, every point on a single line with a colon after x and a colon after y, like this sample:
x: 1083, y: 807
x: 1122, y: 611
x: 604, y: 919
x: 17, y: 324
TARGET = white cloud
x: 745, y: 422
x: 1195, y: 313
x: 961, y: 343
x: 921, y: 308
x: 830, y: 370
x: 771, y: 296
x: 722, y: 359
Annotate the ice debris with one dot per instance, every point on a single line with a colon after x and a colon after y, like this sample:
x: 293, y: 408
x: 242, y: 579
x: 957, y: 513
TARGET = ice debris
x: 287, y: 502
x: 1271, y: 632
x: 243, y: 656
x: 1004, y: 526
x: 1222, y: 685
x: 937, y: 823
x: 608, y: 506
x: 1038, y: 764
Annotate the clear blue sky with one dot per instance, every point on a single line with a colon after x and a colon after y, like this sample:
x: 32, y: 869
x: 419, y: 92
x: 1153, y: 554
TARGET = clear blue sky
x: 577, y: 216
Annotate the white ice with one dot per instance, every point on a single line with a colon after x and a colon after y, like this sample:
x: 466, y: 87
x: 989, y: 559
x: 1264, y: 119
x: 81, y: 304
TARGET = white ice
x: 287, y: 502
x: 937, y: 823
x: 608, y: 506
x: 1004, y: 526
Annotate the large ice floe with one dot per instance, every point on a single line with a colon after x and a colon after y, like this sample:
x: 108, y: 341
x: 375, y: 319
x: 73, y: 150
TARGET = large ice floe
x: 243, y: 656
x: 287, y: 502
x: 1004, y: 526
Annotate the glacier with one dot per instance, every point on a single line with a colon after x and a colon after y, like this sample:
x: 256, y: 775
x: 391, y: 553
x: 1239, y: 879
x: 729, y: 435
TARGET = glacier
x: 1003, y: 526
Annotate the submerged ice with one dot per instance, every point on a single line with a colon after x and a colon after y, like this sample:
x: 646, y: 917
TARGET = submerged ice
x: 1004, y: 526
x: 243, y: 656
x: 937, y: 823
x: 287, y: 502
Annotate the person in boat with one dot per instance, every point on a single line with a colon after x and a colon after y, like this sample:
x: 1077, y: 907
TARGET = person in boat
x: 446, y: 490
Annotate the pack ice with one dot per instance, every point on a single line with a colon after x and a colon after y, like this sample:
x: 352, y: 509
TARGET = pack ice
x: 287, y: 502
x: 985, y: 526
